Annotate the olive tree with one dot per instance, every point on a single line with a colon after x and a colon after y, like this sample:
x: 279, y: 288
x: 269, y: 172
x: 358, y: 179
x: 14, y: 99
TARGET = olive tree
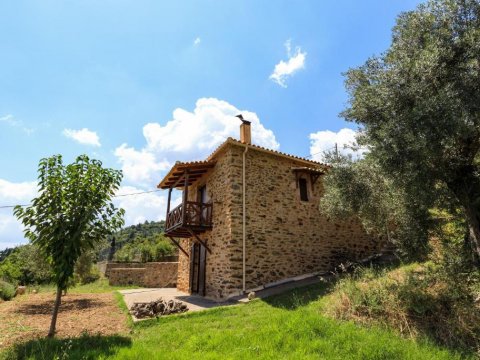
x: 418, y: 104
x: 72, y: 212
x: 361, y: 189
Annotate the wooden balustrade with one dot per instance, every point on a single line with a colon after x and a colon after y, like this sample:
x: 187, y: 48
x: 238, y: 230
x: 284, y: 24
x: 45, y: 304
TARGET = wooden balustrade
x: 192, y: 215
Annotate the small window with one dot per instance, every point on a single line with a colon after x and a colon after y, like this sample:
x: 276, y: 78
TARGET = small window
x: 302, y: 183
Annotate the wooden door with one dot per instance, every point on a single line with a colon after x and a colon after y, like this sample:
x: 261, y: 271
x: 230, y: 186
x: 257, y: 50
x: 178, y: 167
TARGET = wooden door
x: 198, y: 259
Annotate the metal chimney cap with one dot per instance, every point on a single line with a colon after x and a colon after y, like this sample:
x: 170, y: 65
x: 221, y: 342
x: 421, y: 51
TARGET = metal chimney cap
x: 243, y: 120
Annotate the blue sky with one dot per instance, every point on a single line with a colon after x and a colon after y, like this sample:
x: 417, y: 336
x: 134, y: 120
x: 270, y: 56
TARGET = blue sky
x: 145, y: 77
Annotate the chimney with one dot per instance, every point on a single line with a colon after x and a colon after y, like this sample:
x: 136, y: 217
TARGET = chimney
x: 245, y: 131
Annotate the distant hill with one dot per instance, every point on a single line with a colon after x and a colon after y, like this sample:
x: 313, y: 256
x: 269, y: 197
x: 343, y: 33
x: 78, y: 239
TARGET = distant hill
x: 130, y: 233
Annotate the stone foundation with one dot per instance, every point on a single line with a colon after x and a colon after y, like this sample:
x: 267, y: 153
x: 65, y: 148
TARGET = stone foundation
x: 153, y: 275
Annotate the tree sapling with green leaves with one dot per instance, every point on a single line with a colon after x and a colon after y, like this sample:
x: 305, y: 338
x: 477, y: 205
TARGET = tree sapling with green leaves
x: 72, y: 212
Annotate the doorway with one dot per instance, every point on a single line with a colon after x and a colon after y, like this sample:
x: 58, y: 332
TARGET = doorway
x: 198, y: 259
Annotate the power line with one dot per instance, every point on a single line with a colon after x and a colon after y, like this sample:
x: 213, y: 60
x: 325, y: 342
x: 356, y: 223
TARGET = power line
x: 320, y: 152
x: 153, y: 191
x: 138, y: 193
x: 116, y: 196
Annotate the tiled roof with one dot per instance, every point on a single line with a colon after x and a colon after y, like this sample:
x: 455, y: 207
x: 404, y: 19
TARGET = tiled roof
x: 261, y: 148
x: 308, y: 169
x: 176, y: 175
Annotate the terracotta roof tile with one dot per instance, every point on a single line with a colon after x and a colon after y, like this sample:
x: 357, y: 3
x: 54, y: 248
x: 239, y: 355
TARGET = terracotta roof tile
x: 274, y: 152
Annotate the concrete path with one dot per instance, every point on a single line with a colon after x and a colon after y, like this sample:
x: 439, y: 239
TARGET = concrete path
x: 193, y: 302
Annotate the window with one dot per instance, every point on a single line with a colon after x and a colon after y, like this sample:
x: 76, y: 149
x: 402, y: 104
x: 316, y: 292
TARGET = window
x: 302, y: 183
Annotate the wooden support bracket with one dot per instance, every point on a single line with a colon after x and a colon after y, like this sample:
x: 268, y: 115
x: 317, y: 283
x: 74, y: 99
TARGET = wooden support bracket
x: 178, y: 245
x: 199, y: 240
x: 313, y: 178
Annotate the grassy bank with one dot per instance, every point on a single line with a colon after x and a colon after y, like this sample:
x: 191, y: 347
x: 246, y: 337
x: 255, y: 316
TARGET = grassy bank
x: 290, y: 326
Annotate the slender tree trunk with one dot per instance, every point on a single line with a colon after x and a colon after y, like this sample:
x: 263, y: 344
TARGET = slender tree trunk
x: 468, y: 193
x: 474, y: 231
x: 53, y: 324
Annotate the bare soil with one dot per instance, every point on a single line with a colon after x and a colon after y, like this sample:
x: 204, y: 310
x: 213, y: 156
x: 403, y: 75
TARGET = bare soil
x: 28, y: 316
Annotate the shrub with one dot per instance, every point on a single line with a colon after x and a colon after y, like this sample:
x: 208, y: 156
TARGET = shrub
x: 145, y: 249
x: 26, y: 265
x: 85, y: 269
x: 416, y: 300
x: 7, y: 290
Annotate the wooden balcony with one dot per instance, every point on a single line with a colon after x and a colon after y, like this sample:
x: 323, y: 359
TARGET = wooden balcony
x: 188, y: 218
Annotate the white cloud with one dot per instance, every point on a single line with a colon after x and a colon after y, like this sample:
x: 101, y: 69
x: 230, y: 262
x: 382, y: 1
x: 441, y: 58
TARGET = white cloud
x: 285, y: 69
x: 142, y: 207
x: 10, y: 120
x: 187, y: 136
x: 139, y: 166
x: 83, y: 136
x: 11, y: 231
x: 197, y: 41
x: 323, y: 141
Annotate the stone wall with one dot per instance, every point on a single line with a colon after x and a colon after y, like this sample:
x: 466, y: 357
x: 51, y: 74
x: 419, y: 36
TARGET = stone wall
x: 154, y: 275
x: 220, y: 188
x: 286, y: 237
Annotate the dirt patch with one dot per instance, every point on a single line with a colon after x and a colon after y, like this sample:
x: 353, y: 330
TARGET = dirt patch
x: 28, y: 316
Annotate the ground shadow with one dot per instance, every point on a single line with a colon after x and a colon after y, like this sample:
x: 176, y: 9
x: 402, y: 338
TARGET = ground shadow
x: 203, y: 302
x: 84, y: 347
x: 302, y: 296
x: 46, y: 307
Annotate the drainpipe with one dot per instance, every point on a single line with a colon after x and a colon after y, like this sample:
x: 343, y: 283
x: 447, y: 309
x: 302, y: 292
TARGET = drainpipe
x: 244, y: 219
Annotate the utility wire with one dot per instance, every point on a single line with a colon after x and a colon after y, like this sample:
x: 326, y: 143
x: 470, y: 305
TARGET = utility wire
x: 153, y: 191
x: 115, y: 196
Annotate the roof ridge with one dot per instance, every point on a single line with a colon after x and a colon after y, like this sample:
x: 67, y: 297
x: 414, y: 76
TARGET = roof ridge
x: 238, y: 142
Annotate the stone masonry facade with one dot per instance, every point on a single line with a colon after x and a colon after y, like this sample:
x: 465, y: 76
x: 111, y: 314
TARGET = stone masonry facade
x: 285, y: 237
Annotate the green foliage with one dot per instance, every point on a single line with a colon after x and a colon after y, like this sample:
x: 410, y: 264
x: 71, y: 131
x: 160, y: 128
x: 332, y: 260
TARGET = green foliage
x: 72, y: 212
x: 26, y: 265
x: 5, y: 252
x: 7, y: 291
x: 361, y: 189
x: 418, y: 106
x: 129, y: 234
x: 146, y: 249
x: 417, y: 301
x: 85, y: 269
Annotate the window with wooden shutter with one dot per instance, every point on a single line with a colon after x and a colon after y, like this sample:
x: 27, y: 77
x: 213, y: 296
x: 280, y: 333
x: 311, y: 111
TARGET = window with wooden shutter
x: 302, y: 184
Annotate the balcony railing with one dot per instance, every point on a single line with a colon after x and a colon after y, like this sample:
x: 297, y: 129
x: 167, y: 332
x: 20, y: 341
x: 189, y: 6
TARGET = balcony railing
x: 194, y: 215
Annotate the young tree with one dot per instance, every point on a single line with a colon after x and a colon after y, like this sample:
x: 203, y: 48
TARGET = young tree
x: 72, y: 212
x: 419, y: 104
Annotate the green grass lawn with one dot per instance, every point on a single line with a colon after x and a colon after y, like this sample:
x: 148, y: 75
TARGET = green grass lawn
x: 289, y: 326
x: 99, y: 286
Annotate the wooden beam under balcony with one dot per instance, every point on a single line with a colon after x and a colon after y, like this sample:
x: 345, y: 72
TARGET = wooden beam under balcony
x: 176, y: 176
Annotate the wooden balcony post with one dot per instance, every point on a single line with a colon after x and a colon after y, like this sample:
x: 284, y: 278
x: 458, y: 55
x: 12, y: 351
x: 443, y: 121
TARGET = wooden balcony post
x: 168, y: 204
x: 185, y: 197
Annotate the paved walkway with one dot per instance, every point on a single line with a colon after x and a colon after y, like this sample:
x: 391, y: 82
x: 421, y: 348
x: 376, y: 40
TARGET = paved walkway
x: 193, y: 302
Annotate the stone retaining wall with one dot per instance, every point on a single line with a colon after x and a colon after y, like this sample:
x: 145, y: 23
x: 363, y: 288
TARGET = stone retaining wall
x: 154, y: 275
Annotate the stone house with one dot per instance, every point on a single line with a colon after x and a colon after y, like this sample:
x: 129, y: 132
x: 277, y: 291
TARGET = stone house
x: 250, y: 217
